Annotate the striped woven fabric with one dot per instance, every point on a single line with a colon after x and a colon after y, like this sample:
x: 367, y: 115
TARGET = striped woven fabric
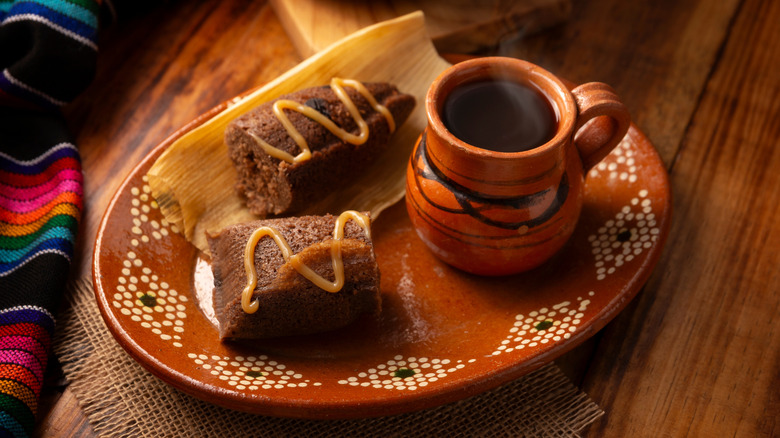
x: 49, y: 50
x: 25, y: 340
x: 40, y: 206
x: 40, y: 201
x: 47, y: 57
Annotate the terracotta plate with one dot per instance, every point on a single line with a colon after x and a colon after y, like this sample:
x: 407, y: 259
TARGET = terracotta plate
x: 443, y: 335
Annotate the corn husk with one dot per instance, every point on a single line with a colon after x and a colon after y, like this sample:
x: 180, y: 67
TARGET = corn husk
x: 193, y: 180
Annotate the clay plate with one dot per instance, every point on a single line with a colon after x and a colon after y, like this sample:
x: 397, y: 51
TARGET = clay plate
x: 443, y: 335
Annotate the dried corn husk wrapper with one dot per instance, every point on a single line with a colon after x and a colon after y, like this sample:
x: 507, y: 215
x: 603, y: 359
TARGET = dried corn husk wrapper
x: 200, y: 199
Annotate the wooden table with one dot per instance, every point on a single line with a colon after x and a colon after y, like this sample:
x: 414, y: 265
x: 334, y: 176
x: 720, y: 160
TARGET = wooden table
x: 698, y: 351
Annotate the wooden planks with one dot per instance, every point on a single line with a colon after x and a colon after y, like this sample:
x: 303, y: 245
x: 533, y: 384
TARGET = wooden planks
x: 63, y: 417
x: 455, y: 26
x: 656, y: 56
x: 700, y: 351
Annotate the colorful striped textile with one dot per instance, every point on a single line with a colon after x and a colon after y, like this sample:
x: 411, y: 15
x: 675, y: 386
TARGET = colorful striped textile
x: 48, y: 50
x: 25, y: 340
x: 40, y: 201
x: 40, y: 207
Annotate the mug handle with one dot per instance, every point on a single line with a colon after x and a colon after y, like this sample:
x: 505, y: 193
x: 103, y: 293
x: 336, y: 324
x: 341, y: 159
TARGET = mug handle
x: 602, y: 121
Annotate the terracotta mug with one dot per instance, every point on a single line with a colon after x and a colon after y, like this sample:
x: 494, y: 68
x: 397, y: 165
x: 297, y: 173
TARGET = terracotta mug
x: 494, y: 212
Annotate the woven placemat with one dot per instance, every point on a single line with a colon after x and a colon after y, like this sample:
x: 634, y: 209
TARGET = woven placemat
x: 121, y: 399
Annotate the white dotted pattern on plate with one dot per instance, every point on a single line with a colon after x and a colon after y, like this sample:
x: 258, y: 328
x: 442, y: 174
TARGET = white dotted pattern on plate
x: 251, y: 373
x: 408, y: 373
x: 621, y: 164
x: 141, y: 294
x: 544, y: 325
x: 632, y: 230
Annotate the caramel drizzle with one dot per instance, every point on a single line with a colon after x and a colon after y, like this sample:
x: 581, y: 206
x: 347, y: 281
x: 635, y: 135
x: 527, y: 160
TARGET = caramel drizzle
x: 337, y: 84
x: 251, y: 306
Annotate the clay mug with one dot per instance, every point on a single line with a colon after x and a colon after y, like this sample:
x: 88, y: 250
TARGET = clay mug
x: 499, y: 212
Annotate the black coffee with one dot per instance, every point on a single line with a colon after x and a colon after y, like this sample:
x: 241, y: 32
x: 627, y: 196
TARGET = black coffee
x: 500, y: 115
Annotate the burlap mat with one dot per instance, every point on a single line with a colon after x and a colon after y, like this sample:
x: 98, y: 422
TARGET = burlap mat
x: 121, y: 399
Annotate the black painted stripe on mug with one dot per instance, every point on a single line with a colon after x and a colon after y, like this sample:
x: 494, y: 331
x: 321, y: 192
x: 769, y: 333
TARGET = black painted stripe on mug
x: 422, y: 154
x: 452, y: 233
x: 530, y: 180
x: 466, y: 197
